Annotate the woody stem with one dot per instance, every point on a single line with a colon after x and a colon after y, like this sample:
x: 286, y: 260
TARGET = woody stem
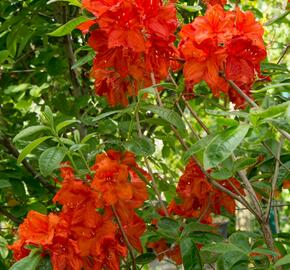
x: 154, y: 184
x: 210, y: 179
x: 129, y: 246
x: 251, y: 102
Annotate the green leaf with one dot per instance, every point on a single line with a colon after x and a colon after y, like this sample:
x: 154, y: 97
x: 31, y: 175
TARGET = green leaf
x: 30, y: 262
x: 223, y: 145
x: 76, y: 3
x: 27, y: 150
x: 221, y: 173
x: 257, y: 114
x: 283, y: 261
x: 264, y: 89
x: 3, y: 248
x: 88, y: 137
x: 47, y: 116
x: 264, y: 251
x: 278, y: 18
x: 148, y: 90
x: 68, y: 27
x: 65, y: 124
x: 29, y: 131
x: 169, y: 228
x: 50, y: 160
x: 189, y: 8
x: 227, y: 113
x: 17, y: 88
x: 196, y: 227
x: 4, y: 183
x: 169, y: 115
x: 190, y: 254
x: 141, y: 146
x: 45, y: 264
x: 3, y: 55
x: 198, y: 146
x: 86, y: 59
x: 145, y: 258
x: 104, y: 115
x: 222, y: 248
x: 243, y: 163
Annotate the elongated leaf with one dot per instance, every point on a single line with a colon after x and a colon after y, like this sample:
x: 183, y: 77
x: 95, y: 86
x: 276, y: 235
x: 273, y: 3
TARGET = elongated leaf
x: 3, y: 55
x: 264, y: 251
x: 76, y: 3
x: 141, y: 146
x: 169, y: 115
x: 190, y: 254
x: 198, y: 146
x: 271, y: 112
x: 264, y: 89
x: 88, y: 137
x: 68, y: 27
x: 50, y: 159
x: 222, y: 248
x: 86, y: 59
x: 169, y: 228
x: 47, y: 116
x: 27, y: 150
x: 30, y: 262
x: 223, y: 145
x: 3, y: 247
x: 4, y: 183
x: 283, y: 261
x: 29, y: 131
x: 104, y: 115
x: 65, y: 124
x: 145, y: 258
x: 196, y: 227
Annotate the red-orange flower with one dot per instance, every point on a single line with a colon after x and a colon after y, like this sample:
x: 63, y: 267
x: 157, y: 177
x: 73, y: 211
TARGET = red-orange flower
x: 215, y: 2
x: 228, y: 43
x: 133, y: 39
x: 198, y: 198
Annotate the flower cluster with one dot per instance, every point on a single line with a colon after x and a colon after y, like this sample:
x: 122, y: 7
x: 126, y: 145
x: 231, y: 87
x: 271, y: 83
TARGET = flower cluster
x: 214, y: 2
x: 197, y: 198
x: 85, y: 233
x: 132, y: 39
x: 223, y: 44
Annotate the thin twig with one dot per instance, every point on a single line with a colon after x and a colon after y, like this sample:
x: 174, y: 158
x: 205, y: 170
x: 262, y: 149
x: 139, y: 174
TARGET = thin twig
x: 130, y: 248
x: 251, y: 102
x: 154, y: 184
x: 5, y: 141
x: 274, y: 179
x: 7, y: 214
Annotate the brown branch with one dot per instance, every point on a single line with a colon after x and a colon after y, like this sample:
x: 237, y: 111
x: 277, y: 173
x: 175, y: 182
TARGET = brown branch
x: 251, y: 102
x: 154, y: 184
x: 130, y: 248
x: 210, y: 179
x: 11, y: 149
x: 7, y: 214
x: 274, y: 179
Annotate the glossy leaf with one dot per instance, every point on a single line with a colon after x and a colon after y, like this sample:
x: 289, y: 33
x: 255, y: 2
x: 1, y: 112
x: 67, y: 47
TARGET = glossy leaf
x: 190, y: 254
x: 141, y: 146
x: 27, y: 150
x: 29, y: 131
x: 68, y: 27
x: 30, y: 262
x: 50, y: 159
x: 169, y: 115
x: 223, y: 145
x: 66, y: 123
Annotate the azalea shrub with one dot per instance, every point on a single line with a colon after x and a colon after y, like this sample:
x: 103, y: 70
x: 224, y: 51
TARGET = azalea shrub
x: 141, y: 134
